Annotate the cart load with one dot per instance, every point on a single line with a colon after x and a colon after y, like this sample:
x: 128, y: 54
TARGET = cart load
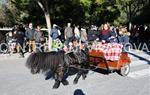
x: 109, y: 56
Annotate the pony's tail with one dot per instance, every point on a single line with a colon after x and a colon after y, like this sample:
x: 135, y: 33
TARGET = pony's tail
x: 33, y: 62
x: 44, y: 61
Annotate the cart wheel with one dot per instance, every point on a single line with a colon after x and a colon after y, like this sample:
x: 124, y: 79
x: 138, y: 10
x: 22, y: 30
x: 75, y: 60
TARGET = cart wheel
x: 124, y: 71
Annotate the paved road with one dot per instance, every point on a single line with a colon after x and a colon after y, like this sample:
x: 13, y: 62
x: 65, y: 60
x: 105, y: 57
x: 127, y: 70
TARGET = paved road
x: 16, y: 79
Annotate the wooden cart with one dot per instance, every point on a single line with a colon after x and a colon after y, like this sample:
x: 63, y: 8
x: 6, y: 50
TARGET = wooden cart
x: 122, y: 66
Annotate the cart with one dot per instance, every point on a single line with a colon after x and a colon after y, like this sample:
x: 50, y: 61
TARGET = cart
x: 121, y: 66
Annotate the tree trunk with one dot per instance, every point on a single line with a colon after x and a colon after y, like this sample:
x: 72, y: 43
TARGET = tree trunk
x: 48, y: 21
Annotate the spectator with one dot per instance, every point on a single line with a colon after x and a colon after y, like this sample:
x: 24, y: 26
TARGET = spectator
x: 20, y: 39
x: 135, y: 34
x: 68, y: 34
x: 147, y: 33
x: 30, y: 37
x: 83, y: 35
x: 77, y: 32
x: 55, y: 32
x: 141, y: 34
x: 11, y: 41
x: 93, y: 33
x: 39, y: 38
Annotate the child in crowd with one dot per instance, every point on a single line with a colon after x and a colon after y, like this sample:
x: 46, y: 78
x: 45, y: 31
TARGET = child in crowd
x: 123, y: 38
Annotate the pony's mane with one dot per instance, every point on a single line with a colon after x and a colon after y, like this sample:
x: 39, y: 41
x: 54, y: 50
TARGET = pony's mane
x: 75, y: 57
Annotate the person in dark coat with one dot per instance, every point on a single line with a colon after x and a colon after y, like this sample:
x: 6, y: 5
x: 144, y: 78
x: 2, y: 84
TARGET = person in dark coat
x: 20, y: 35
x: 30, y: 38
x: 39, y: 38
x: 68, y: 33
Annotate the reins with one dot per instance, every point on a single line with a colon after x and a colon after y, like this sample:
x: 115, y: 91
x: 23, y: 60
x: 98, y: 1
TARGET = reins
x: 72, y: 66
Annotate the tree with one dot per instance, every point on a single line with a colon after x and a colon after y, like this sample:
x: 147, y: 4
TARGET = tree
x: 27, y: 5
x: 130, y: 8
x: 9, y: 14
x: 44, y: 6
x: 143, y: 17
x: 81, y: 12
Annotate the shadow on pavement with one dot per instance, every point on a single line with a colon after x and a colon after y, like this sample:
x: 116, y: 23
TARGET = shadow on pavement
x: 102, y: 71
x: 141, y: 58
x: 74, y: 71
x: 69, y: 72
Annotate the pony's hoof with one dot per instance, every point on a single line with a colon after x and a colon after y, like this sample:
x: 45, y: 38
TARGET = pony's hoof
x: 65, y: 82
x: 56, y: 85
x: 83, y: 77
x: 75, y: 81
x: 33, y: 71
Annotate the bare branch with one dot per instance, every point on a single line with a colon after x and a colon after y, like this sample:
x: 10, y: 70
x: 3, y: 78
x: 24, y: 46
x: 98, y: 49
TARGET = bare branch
x: 41, y: 5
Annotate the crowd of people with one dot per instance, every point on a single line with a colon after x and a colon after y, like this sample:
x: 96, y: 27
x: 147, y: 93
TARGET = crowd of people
x: 140, y: 34
x: 72, y: 35
x: 24, y: 39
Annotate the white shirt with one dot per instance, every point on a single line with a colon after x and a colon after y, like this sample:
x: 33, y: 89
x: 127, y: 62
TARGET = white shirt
x: 76, y: 32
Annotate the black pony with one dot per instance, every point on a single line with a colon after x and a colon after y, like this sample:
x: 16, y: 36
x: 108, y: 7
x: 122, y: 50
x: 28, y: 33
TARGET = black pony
x: 58, y: 63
